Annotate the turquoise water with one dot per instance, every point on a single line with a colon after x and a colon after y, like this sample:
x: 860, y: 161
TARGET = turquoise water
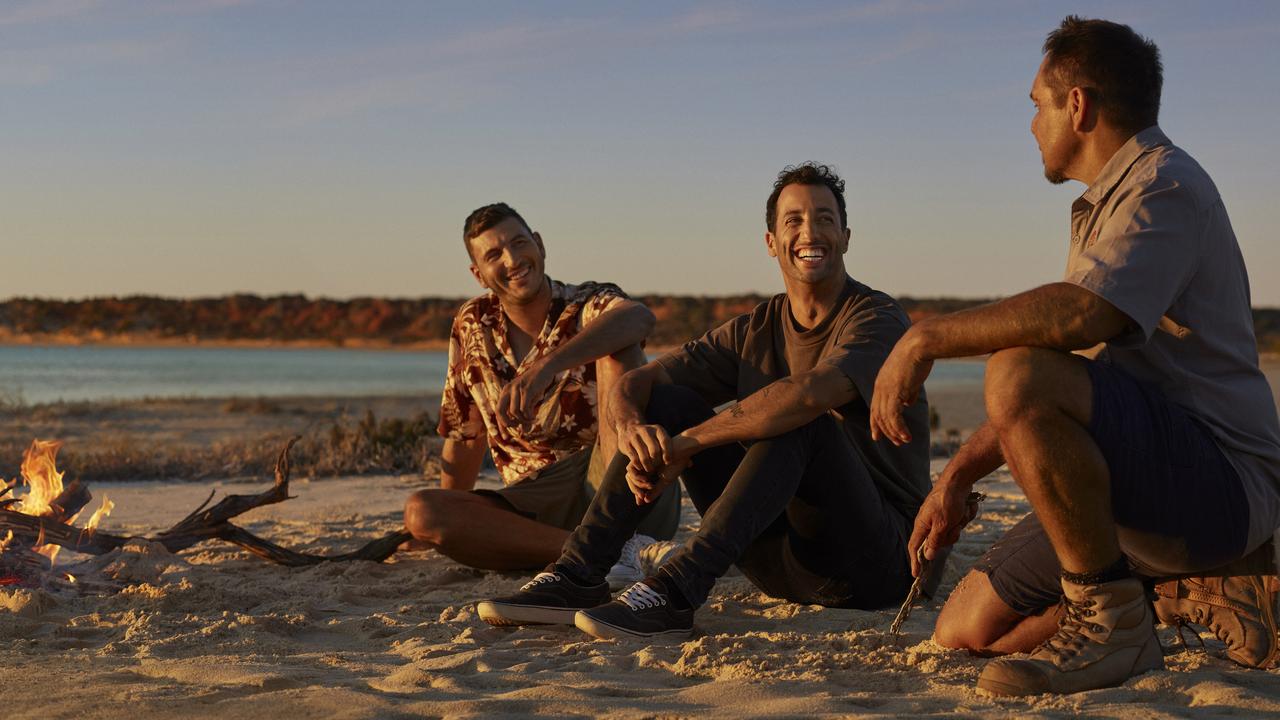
x: 48, y: 374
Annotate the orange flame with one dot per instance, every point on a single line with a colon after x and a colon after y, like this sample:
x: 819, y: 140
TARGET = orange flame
x: 102, y: 511
x: 40, y: 473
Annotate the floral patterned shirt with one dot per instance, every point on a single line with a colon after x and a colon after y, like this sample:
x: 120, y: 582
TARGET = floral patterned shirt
x: 481, y: 363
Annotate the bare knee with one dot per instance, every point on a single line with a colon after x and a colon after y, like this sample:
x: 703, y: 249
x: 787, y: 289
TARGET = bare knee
x: 973, y: 617
x: 1023, y: 382
x: 428, y: 516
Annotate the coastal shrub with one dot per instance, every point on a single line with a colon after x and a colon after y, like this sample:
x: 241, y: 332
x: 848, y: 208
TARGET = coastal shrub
x: 253, y: 405
x: 396, y: 446
x: 392, y: 445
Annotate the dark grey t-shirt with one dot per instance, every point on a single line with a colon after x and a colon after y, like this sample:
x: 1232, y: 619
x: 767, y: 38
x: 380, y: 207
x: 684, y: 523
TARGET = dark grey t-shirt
x: 753, y: 350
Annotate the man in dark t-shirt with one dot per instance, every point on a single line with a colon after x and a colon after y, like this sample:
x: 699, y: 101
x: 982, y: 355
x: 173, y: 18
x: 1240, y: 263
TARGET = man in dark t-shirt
x: 789, y: 484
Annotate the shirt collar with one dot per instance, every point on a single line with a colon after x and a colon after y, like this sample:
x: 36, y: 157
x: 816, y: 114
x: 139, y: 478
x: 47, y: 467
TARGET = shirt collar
x: 1122, y: 160
x: 559, y: 290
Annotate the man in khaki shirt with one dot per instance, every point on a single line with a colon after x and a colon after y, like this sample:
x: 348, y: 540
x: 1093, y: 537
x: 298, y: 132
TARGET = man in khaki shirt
x: 1161, y: 456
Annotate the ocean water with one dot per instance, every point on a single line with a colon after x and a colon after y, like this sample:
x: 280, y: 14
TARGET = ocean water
x: 48, y: 374
x: 39, y: 374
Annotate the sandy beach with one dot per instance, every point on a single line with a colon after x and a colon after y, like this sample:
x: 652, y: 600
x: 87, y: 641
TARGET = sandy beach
x: 215, y: 632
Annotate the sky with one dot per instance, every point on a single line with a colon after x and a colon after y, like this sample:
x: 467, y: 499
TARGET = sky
x: 202, y: 147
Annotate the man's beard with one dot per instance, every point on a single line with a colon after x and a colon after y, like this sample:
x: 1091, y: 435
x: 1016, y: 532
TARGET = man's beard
x: 1055, y: 176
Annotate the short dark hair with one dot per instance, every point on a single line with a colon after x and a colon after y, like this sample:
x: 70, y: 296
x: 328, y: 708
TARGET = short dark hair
x: 809, y: 173
x: 482, y: 219
x: 1118, y: 67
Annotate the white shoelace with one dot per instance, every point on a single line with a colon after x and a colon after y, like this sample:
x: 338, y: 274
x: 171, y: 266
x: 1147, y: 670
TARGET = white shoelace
x: 542, y: 577
x: 640, y: 597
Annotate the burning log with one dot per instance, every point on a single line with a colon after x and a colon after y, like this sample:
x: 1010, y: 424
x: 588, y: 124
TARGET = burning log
x: 19, y: 563
x: 201, y: 525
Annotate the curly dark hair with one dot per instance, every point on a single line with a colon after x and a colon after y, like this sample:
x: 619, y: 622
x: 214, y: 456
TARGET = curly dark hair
x: 809, y: 173
x: 1119, y: 68
x: 482, y: 219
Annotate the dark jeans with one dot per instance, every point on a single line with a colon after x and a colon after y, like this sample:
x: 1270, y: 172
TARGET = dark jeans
x: 797, y: 513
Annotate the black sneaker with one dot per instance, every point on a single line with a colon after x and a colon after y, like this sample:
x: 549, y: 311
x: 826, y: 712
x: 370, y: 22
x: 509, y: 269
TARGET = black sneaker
x: 642, y: 611
x: 549, y: 598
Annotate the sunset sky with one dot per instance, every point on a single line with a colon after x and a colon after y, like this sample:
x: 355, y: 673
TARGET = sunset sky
x: 200, y: 147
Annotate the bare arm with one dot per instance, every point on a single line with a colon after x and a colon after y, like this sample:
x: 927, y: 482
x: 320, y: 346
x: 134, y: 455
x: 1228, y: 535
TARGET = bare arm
x: 645, y: 445
x: 613, y: 333
x: 977, y: 458
x: 946, y: 510
x: 460, y: 463
x: 656, y: 458
x: 1060, y: 316
x: 779, y: 407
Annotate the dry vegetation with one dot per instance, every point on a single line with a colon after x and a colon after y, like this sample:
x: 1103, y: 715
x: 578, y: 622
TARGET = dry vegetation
x: 193, y: 439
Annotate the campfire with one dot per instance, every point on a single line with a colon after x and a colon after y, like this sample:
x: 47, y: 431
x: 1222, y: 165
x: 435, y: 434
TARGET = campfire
x: 23, y: 559
x: 35, y: 527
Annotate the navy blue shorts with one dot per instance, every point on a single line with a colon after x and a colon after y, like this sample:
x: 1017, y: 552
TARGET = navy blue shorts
x: 1178, y: 503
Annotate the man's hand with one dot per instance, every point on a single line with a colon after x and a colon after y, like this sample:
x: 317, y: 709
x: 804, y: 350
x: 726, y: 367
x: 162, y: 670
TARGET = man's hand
x: 647, y: 485
x: 520, y: 397
x: 646, y: 446
x: 943, y: 515
x: 898, y: 386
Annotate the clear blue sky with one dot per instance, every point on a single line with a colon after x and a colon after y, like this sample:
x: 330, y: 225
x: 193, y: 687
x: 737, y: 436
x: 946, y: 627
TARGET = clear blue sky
x: 199, y: 147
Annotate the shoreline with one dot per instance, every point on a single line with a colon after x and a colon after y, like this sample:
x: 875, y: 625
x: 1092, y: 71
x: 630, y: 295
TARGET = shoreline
x: 156, y: 342
x: 150, y: 342
x: 146, y: 343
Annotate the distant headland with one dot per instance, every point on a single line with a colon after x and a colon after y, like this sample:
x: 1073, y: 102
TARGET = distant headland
x: 365, y: 322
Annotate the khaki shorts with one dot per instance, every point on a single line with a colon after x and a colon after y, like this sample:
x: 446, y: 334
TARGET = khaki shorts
x: 559, y: 494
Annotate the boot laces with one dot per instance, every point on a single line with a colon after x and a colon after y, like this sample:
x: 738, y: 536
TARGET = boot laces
x: 1198, y: 616
x: 640, y: 597
x: 1182, y: 624
x: 1071, y: 636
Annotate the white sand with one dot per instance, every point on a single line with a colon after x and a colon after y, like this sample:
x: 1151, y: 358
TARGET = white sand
x: 215, y: 632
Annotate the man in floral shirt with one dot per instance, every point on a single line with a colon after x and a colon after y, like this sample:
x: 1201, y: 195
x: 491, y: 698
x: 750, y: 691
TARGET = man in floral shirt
x: 528, y: 365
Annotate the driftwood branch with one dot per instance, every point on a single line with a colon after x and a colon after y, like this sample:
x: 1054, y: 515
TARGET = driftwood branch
x: 201, y: 525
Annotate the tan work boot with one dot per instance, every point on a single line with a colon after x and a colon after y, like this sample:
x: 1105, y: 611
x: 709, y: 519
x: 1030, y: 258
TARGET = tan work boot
x: 1237, y: 602
x: 1106, y: 637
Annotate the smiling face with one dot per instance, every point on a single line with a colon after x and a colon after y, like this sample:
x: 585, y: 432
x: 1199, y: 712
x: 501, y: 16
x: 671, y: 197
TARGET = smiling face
x: 508, y: 259
x: 808, y: 238
x: 1052, y: 129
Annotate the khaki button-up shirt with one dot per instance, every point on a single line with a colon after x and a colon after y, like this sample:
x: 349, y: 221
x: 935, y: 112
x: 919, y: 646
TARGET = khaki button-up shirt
x: 1151, y: 236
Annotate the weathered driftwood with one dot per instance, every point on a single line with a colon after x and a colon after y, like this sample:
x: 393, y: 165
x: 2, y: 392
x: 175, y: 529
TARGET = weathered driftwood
x: 201, y: 525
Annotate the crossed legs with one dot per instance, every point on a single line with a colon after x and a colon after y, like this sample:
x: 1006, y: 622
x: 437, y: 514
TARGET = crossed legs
x: 485, y: 531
